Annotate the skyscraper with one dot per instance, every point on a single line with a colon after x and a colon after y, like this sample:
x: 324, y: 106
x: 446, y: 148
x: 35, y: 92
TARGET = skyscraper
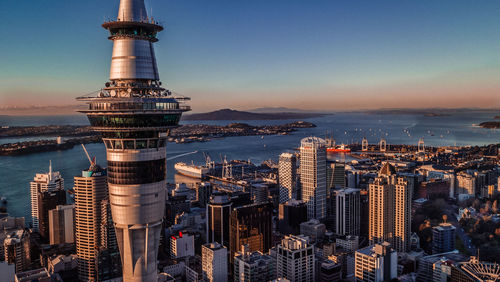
x: 135, y: 114
x: 313, y: 176
x: 218, y: 213
x: 251, y: 225
x: 287, y: 177
x: 390, y: 209
x: 61, y: 225
x: 376, y: 263
x: 347, y: 211
x: 48, y: 200
x: 295, y: 259
x: 94, y: 229
x: 43, y: 182
x: 291, y: 215
x: 336, y: 175
x: 214, y: 262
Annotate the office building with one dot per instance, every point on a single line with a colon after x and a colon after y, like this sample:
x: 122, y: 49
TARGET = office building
x: 94, y: 230
x: 295, y: 259
x: 287, y: 175
x: 214, y: 262
x: 251, y: 225
x: 48, y: 200
x: 347, y: 211
x: 291, y: 215
x: 466, y: 184
x: 181, y: 246
x: 218, y: 213
x: 349, y: 243
x: 134, y: 114
x: 330, y: 271
x: 336, y: 178
x: 443, y: 238
x: 436, y: 267
x: 390, y: 210
x: 253, y: 266
x: 16, y: 248
x: 376, y: 263
x: 43, y: 182
x: 61, y: 225
x: 313, y: 176
x: 313, y: 229
x: 259, y: 193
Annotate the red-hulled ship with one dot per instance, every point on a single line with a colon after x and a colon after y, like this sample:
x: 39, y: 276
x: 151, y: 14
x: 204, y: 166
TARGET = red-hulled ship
x: 338, y: 149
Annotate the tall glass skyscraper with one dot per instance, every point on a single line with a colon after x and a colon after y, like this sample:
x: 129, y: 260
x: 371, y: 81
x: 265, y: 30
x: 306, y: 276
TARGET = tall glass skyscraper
x: 135, y: 114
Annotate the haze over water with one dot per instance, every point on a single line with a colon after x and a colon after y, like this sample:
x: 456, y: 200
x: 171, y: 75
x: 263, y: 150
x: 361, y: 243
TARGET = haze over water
x: 457, y: 129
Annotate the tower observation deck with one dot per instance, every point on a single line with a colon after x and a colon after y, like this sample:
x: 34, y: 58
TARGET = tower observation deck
x: 135, y: 114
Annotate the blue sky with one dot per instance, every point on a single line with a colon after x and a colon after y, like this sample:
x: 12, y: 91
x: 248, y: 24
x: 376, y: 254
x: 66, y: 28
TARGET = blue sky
x: 245, y: 54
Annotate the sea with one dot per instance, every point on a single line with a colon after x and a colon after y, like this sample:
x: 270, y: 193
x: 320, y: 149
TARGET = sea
x: 459, y: 129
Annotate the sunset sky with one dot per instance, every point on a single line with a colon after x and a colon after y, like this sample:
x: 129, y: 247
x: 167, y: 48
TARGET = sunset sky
x: 314, y: 54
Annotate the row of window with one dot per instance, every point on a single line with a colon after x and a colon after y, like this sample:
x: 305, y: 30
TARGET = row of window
x: 128, y: 173
x: 134, y: 121
x: 134, y: 106
x: 134, y: 144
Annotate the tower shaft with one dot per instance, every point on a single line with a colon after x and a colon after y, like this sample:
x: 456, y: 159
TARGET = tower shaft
x: 135, y: 115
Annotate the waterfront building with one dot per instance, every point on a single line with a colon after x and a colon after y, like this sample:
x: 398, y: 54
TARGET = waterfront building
x: 313, y: 176
x: 390, y: 210
x: 135, y: 114
x: 61, y: 225
x: 376, y: 263
x: 287, y: 177
x: 214, y: 262
x: 313, y: 229
x: 48, y: 200
x: 295, y: 259
x: 218, y: 213
x: 253, y: 266
x: 96, y: 245
x: 291, y: 215
x: 181, y: 246
x: 347, y: 211
x: 443, y: 238
x: 251, y: 225
x: 43, y: 182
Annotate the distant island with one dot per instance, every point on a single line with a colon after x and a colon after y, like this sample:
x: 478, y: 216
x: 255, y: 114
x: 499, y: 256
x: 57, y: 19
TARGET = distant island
x: 425, y: 113
x: 490, y: 124
x: 228, y: 114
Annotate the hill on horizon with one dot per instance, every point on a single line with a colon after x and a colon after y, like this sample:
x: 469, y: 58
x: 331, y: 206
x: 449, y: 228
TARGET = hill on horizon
x: 228, y: 114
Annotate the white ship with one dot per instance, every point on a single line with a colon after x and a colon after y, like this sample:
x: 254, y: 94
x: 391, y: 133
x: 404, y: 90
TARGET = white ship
x: 193, y: 171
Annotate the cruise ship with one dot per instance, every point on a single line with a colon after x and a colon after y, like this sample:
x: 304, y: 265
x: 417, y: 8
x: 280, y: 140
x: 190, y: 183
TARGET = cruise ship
x: 193, y: 171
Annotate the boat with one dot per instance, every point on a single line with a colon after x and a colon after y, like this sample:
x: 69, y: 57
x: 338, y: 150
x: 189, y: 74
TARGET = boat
x: 192, y: 171
x: 338, y: 149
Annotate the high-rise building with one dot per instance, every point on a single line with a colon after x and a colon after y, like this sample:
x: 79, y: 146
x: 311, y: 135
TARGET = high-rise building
x: 251, y: 225
x: 214, y: 262
x: 443, y: 238
x: 48, y: 200
x: 287, y: 175
x: 181, y: 246
x: 336, y: 175
x: 347, y: 211
x: 313, y: 176
x: 218, y: 213
x: 390, y: 210
x: 295, y: 259
x: 313, y: 229
x: 253, y: 266
x: 61, y: 225
x: 376, y: 263
x: 259, y: 193
x: 16, y: 248
x: 134, y: 114
x: 291, y: 215
x: 43, y: 182
x: 330, y: 271
x: 94, y: 228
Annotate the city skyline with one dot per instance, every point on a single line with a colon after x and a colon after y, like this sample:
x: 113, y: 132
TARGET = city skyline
x: 250, y: 55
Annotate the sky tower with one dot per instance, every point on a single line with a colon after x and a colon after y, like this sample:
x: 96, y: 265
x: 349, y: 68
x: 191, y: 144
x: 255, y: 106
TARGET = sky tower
x: 135, y: 114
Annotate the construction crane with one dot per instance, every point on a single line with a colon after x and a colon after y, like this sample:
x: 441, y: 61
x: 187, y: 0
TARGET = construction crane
x: 92, y: 161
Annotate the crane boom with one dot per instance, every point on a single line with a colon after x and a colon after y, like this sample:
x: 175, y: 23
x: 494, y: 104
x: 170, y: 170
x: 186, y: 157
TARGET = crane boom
x: 87, y: 153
